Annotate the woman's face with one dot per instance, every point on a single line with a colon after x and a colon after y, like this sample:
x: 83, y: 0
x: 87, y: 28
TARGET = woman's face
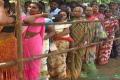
x: 113, y: 6
x: 108, y: 14
x: 33, y: 9
x: 89, y: 11
x: 53, y: 5
x: 95, y: 8
x: 64, y: 15
x: 101, y: 9
x: 77, y: 12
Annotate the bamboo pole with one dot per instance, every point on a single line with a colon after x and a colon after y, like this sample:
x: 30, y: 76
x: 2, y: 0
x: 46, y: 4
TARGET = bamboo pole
x: 10, y: 63
x: 19, y: 39
x: 59, y: 23
x: 55, y: 23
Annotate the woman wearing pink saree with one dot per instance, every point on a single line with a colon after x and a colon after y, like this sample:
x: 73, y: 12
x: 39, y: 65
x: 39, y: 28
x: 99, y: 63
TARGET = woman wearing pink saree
x: 33, y: 43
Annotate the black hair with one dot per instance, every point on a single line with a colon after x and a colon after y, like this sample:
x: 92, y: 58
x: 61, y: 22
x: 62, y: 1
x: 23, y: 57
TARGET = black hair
x: 6, y: 3
x: 73, y: 4
x: 113, y: 3
x: 107, y: 10
x: 66, y: 11
x: 65, y: 8
x: 59, y: 2
x: 105, y: 6
x: 43, y: 5
x: 94, y: 3
x: 102, y: 5
x: 57, y: 18
x: 27, y: 2
x: 39, y: 5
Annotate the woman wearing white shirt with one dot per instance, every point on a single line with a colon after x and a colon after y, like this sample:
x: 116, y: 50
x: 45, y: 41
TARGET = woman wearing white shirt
x: 57, y: 63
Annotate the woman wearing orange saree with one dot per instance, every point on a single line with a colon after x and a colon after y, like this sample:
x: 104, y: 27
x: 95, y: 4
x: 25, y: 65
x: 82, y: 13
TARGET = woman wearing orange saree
x: 8, y: 44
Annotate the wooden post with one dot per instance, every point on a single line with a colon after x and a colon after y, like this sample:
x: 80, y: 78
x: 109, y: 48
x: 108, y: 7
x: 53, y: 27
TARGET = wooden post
x: 19, y: 38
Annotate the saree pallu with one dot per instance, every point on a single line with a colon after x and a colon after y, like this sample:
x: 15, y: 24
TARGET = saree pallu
x: 57, y: 63
x: 32, y: 68
x: 8, y: 52
x: 82, y: 33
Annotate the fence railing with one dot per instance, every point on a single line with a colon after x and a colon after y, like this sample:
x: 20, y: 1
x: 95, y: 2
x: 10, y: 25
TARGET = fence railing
x: 19, y: 37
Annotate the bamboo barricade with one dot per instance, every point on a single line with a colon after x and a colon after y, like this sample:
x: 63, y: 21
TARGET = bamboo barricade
x: 55, y: 23
x: 6, y: 64
x: 19, y: 39
x: 59, y: 23
x: 18, y: 23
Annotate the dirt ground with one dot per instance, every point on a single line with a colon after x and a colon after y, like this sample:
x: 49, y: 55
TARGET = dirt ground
x: 110, y: 71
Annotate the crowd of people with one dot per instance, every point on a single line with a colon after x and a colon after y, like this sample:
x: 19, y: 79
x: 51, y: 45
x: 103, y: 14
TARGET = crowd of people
x: 94, y: 22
